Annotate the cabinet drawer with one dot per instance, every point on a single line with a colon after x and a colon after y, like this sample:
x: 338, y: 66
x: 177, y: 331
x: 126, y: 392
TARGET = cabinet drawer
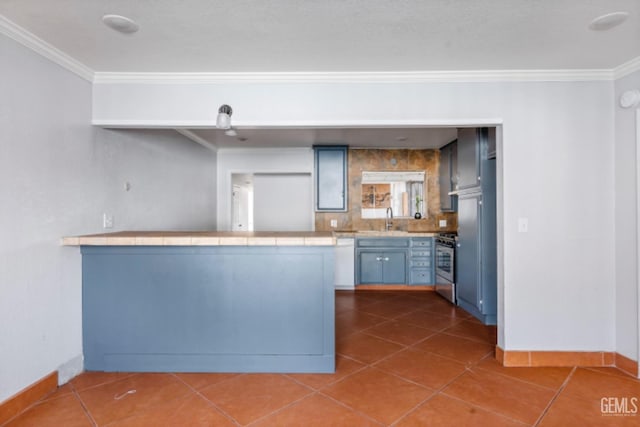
x: 420, y: 262
x: 422, y: 243
x: 421, y: 276
x: 382, y: 243
x: 425, y: 253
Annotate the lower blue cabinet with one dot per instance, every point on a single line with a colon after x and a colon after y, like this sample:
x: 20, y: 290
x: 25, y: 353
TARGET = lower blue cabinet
x: 394, y: 261
x: 382, y: 267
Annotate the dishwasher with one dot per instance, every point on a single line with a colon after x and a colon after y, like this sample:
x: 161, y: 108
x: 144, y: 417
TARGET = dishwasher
x: 344, y: 273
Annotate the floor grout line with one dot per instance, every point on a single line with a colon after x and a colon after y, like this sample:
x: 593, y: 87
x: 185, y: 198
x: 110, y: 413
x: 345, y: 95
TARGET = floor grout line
x: 209, y: 402
x: 555, y: 397
x: 84, y: 406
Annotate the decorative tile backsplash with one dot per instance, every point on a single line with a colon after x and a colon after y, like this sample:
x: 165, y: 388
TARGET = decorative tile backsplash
x: 389, y: 160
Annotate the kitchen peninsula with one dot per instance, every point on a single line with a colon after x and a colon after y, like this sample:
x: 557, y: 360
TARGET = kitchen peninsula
x: 208, y: 301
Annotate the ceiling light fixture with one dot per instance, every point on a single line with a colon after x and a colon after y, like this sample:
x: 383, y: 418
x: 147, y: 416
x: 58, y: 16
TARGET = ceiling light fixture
x: 224, y: 117
x: 608, y: 21
x: 121, y: 24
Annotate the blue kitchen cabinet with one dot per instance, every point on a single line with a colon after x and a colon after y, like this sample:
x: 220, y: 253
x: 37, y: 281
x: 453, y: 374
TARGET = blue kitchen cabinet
x: 476, y: 253
x: 447, y: 176
x: 468, y: 158
x: 381, y: 261
x: 331, y: 178
x: 395, y: 261
x: 383, y: 267
x: 421, y: 261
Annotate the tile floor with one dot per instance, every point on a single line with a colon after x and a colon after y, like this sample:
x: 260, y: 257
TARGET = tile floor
x: 404, y: 359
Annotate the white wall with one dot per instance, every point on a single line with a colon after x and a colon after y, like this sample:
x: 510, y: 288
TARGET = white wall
x: 283, y: 202
x: 626, y: 222
x: 57, y: 176
x: 259, y: 160
x: 558, y: 280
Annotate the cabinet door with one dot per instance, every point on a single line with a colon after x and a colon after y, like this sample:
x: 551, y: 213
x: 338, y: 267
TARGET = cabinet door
x: 370, y: 267
x: 394, y: 269
x: 444, y: 178
x: 447, y: 176
x: 331, y: 178
x: 468, y: 159
x: 468, y: 253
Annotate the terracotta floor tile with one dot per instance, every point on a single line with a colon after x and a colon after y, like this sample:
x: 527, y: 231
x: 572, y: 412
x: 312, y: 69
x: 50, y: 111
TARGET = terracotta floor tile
x: 424, y: 368
x: 92, y: 379
x: 60, y: 391
x: 474, y: 331
x: 383, y: 397
x: 443, y: 411
x: 344, y: 367
x: 346, y: 301
x: 316, y: 411
x: 445, y: 308
x: 401, y: 332
x: 612, y: 371
x: 428, y: 320
x: 201, y: 380
x: 191, y: 410
x: 352, y: 321
x: 366, y: 348
x: 460, y: 349
x: 594, y: 385
x: 116, y: 400
x: 570, y: 411
x: 64, y: 411
x: 388, y: 310
x: 510, y: 397
x: 546, y: 377
x: 249, y: 397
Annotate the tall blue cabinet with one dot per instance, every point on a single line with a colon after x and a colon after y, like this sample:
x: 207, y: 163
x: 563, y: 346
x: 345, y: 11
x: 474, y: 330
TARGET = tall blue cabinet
x: 476, y: 254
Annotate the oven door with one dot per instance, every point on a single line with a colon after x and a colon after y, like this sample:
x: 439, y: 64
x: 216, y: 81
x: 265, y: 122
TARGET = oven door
x: 445, y: 263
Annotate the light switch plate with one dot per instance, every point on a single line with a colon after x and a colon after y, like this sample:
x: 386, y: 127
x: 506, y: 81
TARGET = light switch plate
x: 443, y: 223
x: 107, y: 220
x: 523, y: 225
x: 334, y: 223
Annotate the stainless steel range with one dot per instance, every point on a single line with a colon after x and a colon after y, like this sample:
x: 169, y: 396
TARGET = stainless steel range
x: 445, y: 266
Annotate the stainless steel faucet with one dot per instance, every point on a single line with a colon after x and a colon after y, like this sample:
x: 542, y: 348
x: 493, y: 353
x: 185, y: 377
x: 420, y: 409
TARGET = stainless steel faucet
x: 388, y: 223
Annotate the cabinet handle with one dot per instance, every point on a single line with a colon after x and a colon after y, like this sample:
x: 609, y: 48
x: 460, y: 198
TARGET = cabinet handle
x: 379, y: 258
x: 386, y: 258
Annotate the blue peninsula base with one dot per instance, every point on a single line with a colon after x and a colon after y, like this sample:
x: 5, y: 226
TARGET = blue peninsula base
x: 208, y: 309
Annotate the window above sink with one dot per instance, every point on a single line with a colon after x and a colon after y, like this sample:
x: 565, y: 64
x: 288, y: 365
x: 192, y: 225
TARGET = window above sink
x: 402, y: 191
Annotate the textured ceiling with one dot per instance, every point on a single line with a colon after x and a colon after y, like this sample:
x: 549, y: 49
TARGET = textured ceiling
x: 333, y: 35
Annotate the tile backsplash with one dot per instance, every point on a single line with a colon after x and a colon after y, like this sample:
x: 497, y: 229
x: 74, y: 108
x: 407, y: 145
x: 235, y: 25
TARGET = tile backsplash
x: 390, y: 160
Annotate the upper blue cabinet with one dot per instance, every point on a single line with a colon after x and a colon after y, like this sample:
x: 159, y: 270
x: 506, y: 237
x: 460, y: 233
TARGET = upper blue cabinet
x: 331, y: 178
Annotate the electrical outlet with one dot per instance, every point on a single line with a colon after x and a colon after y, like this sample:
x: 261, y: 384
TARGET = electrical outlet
x: 443, y: 223
x: 107, y: 220
x: 334, y: 223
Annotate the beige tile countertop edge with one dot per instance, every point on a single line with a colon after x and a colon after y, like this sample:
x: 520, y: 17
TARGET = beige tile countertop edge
x: 147, y: 238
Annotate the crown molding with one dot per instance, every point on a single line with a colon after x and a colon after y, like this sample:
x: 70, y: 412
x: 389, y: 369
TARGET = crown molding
x: 627, y: 68
x: 43, y: 48
x: 357, y: 77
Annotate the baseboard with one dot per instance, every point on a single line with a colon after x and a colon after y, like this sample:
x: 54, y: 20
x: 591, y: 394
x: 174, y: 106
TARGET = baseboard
x: 627, y: 365
x: 27, y: 397
x: 394, y: 288
x: 517, y: 358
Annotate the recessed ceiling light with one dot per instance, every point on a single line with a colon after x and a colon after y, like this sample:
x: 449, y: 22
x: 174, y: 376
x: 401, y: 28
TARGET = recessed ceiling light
x: 608, y: 21
x: 121, y: 24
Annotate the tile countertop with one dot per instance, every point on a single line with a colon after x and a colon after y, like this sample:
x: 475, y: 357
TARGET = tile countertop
x: 381, y: 233
x: 202, y: 238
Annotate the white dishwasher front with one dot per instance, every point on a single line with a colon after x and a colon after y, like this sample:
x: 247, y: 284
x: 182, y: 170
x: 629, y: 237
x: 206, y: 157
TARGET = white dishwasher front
x: 344, y: 273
